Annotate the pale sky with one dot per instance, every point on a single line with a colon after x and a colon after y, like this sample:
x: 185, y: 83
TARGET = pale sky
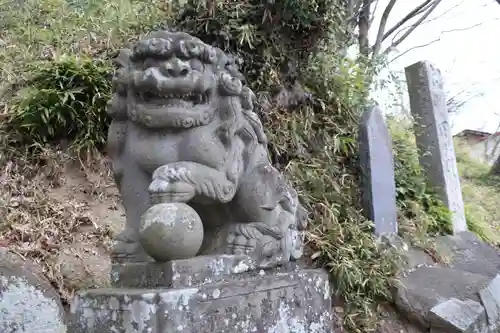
x: 469, y: 59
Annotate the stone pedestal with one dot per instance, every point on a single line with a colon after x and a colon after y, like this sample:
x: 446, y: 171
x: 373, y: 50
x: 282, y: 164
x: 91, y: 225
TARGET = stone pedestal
x: 206, y: 294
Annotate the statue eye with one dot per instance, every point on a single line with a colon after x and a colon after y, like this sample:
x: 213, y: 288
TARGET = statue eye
x: 193, y: 48
x: 210, y: 55
x: 196, y: 65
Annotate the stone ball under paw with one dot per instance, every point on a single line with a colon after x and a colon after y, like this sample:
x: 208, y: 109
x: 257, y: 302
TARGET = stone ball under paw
x: 171, y: 231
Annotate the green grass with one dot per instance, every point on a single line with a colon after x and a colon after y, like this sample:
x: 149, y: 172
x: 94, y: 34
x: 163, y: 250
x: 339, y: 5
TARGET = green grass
x: 481, y: 193
x: 421, y: 213
x: 45, y: 29
x: 43, y: 113
x: 56, y: 65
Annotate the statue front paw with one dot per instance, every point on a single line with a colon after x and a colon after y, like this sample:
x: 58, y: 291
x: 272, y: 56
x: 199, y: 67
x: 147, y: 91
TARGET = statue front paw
x: 258, y: 240
x: 239, y: 244
x: 165, y: 191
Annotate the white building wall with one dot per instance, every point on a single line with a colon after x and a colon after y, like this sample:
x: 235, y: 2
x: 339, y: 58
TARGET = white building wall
x: 487, y: 150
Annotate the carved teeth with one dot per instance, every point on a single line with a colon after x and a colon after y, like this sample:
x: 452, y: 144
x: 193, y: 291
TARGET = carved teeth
x: 192, y: 97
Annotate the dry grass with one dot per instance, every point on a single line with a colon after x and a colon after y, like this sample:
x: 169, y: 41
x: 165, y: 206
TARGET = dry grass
x: 36, y: 225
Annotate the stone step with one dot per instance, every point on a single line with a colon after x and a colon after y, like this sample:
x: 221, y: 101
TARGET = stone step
x: 445, y: 299
x: 427, y: 286
x: 467, y: 252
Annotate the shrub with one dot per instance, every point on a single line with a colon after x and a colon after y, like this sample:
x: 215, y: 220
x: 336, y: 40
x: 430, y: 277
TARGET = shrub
x: 274, y: 38
x: 325, y: 170
x: 65, y: 99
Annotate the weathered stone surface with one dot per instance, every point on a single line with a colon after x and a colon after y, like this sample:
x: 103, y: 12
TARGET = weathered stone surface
x: 296, y: 301
x: 415, y: 258
x: 377, y: 166
x: 185, y: 130
x: 392, y: 240
x: 171, y: 230
x: 181, y: 273
x: 28, y: 302
x: 434, y: 140
x: 411, y: 257
x: 467, y: 252
x: 490, y: 299
x: 427, y: 286
x: 457, y: 316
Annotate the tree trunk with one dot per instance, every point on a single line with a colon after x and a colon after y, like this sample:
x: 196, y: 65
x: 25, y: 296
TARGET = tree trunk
x: 364, y: 28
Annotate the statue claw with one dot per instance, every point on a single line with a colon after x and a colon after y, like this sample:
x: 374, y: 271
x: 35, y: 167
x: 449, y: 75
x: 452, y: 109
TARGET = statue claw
x: 257, y: 240
x: 239, y: 244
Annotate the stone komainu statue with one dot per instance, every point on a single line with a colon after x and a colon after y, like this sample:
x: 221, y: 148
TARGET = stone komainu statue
x: 184, y: 130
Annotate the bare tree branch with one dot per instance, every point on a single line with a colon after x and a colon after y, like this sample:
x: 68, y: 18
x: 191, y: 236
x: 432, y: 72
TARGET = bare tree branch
x: 381, y: 28
x: 356, y: 9
x: 352, y: 9
x: 445, y: 13
x: 375, y: 10
x: 416, y: 11
x: 415, y: 25
x: 389, y: 49
x: 455, y: 103
x: 430, y: 20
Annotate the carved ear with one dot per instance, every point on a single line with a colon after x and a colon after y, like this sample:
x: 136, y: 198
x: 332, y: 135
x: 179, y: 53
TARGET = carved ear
x: 256, y: 125
x: 247, y: 98
x: 302, y: 218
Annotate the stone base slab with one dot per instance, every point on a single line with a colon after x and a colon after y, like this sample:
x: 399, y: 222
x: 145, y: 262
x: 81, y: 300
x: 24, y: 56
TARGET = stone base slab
x: 181, y: 273
x: 297, y: 301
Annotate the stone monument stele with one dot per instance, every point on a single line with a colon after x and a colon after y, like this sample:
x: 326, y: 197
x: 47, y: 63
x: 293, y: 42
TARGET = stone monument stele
x: 434, y: 139
x: 212, y: 228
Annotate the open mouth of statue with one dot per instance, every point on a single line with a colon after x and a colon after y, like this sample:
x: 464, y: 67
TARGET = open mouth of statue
x: 154, y: 89
x: 173, y: 99
x: 176, y: 110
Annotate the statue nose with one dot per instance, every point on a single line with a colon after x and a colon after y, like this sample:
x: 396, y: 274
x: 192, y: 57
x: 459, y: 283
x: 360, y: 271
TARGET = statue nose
x: 177, y: 68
